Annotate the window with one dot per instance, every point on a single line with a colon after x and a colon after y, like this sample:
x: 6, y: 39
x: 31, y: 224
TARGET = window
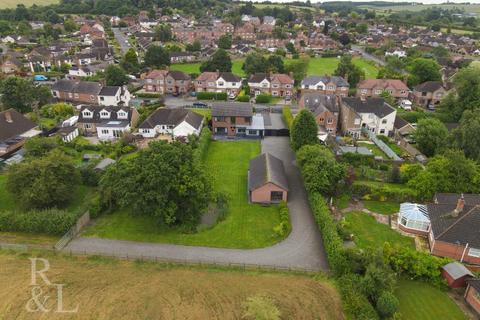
x: 87, y: 114
x: 104, y: 131
x: 330, y: 120
x: 276, y: 196
x: 378, y: 91
x: 88, y: 126
x: 330, y: 88
x: 382, y: 131
x: 384, y: 121
x: 104, y: 114
x: 233, y: 120
x: 221, y: 83
x: 102, y: 98
x: 357, y: 121
x: 473, y: 252
x: 252, y: 132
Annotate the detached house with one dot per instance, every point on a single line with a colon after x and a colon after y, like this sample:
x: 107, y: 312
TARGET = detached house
x: 232, y: 119
x: 276, y: 84
x: 429, y: 93
x: 90, y: 92
x: 165, y: 81
x: 225, y: 82
x: 326, y: 85
x: 173, y: 122
x: 375, y: 87
x: 108, y: 123
x: 325, y: 109
x: 15, y: 128
x: 371, y: 114
x: 454, y: 227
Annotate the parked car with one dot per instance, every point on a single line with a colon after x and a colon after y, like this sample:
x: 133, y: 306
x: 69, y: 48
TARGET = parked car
x: 40, y: 77
x: 406, y: 105
x: 200, y: 105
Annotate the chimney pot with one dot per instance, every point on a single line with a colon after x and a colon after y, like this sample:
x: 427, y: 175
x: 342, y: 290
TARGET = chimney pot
x: 8, y: 117
x: 460, y: 204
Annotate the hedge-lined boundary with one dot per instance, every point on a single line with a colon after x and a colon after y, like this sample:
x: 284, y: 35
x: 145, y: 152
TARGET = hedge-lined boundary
x: 287, y: 117
x: 384, y: 192
x: 50, y: 221
x: 211, y: 96
x: 203, y: 144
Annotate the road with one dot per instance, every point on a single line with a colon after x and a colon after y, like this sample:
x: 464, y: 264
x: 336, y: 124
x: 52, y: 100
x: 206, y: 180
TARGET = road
x: 368, y: 56
x: 122, y: 40
x: 302, y: 249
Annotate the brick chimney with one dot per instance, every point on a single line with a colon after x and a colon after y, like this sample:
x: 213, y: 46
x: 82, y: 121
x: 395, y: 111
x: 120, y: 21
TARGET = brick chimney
x: 8, y: 117
x: 460, y: 204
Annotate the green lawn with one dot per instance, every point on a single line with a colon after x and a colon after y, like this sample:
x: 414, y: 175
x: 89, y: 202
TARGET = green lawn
x: 420, y: 300
x: 374, y: 149
x: 342, y: 201
x: 245, y: 225
x: 207, y: 113
x: 28, y: 3
x: 383, y: 207
x: 370, y: 233
x: 316, y: 66
x: 6, y: 201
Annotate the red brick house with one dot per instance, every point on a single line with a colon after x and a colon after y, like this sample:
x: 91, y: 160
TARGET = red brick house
x: 325, y: 109
x: 167, y: 82
x: 454, y: 225
x: 472, y: 294
x: 375, y: 87
x: 267, y: 181
x: 429, y: 93
x: 231, y: 119
x: 275, y: 84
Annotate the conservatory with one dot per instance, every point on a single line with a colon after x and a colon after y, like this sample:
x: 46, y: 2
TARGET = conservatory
x: 413, y: 218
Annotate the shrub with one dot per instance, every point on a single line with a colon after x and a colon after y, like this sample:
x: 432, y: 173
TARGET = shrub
x: 387, y: 304
x: 283, y: 228
x: 243, y: 98
x: 356, y: 159
x: 261, y: 308
x: 51, y: 221
x: 211, y: 96
x: 147, y: 95
x: 355, y: 304
x: 382, y: 192
x: 287, y: 117
x: 263, y: 98
x: 203, y: 143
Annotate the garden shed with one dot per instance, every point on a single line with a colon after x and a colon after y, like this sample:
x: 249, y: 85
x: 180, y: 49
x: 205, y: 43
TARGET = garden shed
x: 413, y: 218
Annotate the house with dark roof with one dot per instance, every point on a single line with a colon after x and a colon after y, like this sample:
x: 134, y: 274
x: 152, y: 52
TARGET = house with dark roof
x: 267, y: 180
x: 371, y: 114
x: 455, y: 227
x: 325, y: 109
x: 107, y: 122
x: 15, y: 129
x: 275, y: 84
x: 172, y: 122
x: 90, y: 92
x: 232, y: 119
x: 429, y: 93
x: 472, y: 294
x: 326, y: 85
x: 167, y: 82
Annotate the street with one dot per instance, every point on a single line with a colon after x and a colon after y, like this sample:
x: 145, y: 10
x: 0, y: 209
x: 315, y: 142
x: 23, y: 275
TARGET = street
x: 122, y: 39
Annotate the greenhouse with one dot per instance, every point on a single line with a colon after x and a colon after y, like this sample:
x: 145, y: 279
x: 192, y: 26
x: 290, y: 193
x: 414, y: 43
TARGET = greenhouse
x: 413, y: 218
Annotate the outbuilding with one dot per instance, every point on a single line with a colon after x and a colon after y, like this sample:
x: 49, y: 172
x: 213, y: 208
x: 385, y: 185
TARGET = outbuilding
x: 413, y: 218
x: 472, y: 294
x: 456, y: 274
x: 267, y: 181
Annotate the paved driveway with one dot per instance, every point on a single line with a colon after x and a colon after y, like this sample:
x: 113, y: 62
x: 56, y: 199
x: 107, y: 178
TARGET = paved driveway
x: 303, y: 249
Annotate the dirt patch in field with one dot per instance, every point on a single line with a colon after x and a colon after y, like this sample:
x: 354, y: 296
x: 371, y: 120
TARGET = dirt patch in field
x: 111, y: 289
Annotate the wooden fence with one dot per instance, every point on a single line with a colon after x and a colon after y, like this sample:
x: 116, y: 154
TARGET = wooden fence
x: 73, y: 232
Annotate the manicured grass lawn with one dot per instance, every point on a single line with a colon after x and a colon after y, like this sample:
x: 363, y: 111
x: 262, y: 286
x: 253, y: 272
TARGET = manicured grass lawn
x: 327, y: 66
x: 245, y: 225
x: 195, y: 67
x: 374, y: 149
x: 370, y: 233
x: 383, y: 207
x: 420, y: 300
x: 207, y: 113
x: 395, y: 186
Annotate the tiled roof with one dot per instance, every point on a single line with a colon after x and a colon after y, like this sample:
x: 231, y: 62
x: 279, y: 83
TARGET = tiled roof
x: 19, y: 124
x: 165, y: 116
x: 377, y: 106
x: 266, y: 169
x: 382, y: 83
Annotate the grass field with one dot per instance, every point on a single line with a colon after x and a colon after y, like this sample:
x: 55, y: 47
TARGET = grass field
x: 6, y: 201
x: 245, y: 225
x: 383, y: 207
x: 416, y: 7
x: 369, y: 233
x: 316, y: 66
x: 374, y: 149
x: 419, y: 300
x: 115, y: 289
x: 28, y: 3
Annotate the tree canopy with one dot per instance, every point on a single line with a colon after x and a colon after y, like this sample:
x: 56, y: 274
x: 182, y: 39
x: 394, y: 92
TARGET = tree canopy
x: 21, y: 94
x: 422, y: 69
x: 431, y: 136
x: 43, y: 182
x: 115, y: 76
x: 304, y: 130
x: 349, y: 71
x: 219, y: 61
x: 157, y: 57
x: 164, y: 181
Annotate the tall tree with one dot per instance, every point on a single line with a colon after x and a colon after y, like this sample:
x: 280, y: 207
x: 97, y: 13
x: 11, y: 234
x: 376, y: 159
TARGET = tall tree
x: 467, y: 135
x: 304, y: 130
x: 115, y: 76
x: 157, y: 57
x: 219, y: 61
x: 43, y: 182
x: 130, y: 61
x: 255, y: 62
x: 164, y: 181
x: 422, y: 69
x: 431, y: 136
x: 21, y: 94
x: 225, y: 41
x: 163, y: 33
x: 349, y: 71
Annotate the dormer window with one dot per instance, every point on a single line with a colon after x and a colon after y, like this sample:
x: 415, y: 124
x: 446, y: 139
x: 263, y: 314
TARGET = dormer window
x: 104, y: 114
x: 122, y: 115
x: 87, y: 114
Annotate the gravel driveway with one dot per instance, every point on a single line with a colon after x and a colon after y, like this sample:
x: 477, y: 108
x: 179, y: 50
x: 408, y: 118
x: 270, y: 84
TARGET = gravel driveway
x: 303, y: 249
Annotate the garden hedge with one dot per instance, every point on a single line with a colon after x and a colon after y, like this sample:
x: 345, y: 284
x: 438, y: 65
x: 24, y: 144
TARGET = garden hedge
x: 384, y: 192
x: 203, y: 143
x: 287, y: 117
x: 51, y: 221
x: 211, y: 96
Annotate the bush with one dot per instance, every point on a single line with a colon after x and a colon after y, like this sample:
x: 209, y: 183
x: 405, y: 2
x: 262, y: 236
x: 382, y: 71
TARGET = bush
x: 263, y: 98
x: 287, y: 117
x: 261, y: 308
x: 356, y: 159
x: 243, y: 98
x: 283, y: 228
x: 51, y: 221
x: 382, y: 192
x: 211, y: 96
x: 355, y: 304
x: 203, y: 144
x: 387, y: 304
x: 147, y: 95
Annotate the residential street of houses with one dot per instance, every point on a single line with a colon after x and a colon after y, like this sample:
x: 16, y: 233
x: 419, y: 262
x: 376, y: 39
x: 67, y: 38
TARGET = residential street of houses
x: 302, y: 250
